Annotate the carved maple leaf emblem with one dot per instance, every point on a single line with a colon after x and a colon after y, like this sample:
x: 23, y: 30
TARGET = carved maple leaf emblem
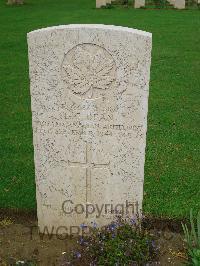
x: 89, y: 68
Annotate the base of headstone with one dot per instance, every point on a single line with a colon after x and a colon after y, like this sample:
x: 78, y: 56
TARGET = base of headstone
x: 139, y: 3
x: 179, y: 4
x: 100, y: 3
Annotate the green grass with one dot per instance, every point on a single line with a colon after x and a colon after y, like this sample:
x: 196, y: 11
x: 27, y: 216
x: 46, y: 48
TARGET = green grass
x: 172, y: 181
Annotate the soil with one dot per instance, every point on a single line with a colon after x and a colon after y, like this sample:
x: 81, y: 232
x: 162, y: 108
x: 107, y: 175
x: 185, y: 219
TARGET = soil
x: 20, y: 241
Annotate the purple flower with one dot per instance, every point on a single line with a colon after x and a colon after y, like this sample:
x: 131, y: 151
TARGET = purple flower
x: 133, y: 220
x: 112, y: 226
x: 78, y: 254
x: 83, y: 226
x: 94, y: 224
x: 81, y: 241
x: 153, y: 244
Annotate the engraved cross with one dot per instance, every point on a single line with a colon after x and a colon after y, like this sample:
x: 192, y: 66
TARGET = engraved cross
x: 89, y: 166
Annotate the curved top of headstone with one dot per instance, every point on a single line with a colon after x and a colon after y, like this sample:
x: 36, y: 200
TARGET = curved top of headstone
x: 93, y: 26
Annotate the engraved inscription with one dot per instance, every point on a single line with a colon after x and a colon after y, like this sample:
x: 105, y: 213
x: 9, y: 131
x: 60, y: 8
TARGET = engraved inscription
x: 88, y: 70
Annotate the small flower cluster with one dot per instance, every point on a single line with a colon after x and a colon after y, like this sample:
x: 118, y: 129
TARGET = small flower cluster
x: 123, y: 242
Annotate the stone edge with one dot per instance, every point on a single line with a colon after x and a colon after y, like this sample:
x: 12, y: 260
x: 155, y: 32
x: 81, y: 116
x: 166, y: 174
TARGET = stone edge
x: 92, y: 26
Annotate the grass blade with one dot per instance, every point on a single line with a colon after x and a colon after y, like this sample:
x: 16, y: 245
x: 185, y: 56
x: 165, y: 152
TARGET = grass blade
x: 198, y: 229
x: 193, y: 231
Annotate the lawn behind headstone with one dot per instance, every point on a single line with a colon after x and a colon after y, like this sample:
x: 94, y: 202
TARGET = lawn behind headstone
x: 172, y: 183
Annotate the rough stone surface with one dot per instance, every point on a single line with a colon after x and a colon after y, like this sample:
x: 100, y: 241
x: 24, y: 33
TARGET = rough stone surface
x: 89, y: 90
x: 139, y: 3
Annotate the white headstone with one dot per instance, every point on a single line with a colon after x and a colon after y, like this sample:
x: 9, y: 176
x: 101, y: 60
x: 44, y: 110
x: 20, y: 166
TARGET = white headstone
x: 179, y: 4
x: 89, y: 90
x: 139, y: 3
x: 100, y: 3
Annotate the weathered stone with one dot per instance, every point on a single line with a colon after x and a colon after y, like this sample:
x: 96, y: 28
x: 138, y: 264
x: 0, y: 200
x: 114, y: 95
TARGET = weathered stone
x: 89, y: 90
